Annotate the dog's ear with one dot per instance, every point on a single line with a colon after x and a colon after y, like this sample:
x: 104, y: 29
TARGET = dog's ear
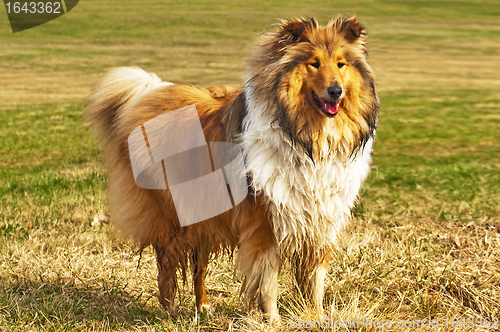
x: 353, y: 30
x: 292, y: 31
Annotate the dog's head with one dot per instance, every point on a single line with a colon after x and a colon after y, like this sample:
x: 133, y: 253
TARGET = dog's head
x: 318, y: 80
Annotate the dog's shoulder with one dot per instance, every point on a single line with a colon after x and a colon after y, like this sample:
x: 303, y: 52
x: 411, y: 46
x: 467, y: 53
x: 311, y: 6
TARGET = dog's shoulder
x: 234, y: 117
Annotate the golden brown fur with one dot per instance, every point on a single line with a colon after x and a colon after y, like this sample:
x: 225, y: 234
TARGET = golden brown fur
x: 279, y: 127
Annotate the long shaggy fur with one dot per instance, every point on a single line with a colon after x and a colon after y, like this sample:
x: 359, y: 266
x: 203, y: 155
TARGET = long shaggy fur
x: 305, y: 161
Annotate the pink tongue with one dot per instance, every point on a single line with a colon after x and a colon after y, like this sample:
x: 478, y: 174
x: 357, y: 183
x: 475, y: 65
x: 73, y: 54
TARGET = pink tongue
x: 332, y: 107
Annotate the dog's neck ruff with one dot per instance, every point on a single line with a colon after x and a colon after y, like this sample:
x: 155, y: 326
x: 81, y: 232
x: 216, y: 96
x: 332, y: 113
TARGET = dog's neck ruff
x: 310, y: 203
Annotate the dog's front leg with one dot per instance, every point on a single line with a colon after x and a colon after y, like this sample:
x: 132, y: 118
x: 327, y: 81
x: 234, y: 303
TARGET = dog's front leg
x: 269, y: 266
x: 259, y: 262
x: 310, y: 274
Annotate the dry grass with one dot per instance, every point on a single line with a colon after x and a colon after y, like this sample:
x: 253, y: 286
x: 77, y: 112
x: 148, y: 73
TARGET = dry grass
x: 425, y: 239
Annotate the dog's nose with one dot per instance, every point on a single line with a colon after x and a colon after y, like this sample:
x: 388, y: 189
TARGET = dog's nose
x: 334, y: 91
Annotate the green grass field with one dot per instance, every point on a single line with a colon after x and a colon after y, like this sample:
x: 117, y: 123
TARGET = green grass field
x: 425, y: 239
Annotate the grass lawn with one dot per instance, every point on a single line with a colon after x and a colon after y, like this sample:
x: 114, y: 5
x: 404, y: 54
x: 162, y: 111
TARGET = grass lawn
x: 424, y: 243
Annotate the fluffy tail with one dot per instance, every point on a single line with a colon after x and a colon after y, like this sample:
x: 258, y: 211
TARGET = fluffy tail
x: 118, y: 87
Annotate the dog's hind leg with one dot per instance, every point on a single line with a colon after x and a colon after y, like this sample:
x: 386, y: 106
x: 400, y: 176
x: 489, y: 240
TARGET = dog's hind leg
x: 199, y: 266
x: 168, y: 260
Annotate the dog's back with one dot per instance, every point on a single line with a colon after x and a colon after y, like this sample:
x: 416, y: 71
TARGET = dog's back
x: 126, y: 98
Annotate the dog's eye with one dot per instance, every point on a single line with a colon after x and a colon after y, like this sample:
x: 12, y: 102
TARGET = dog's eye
x: 315, y: 64
x: 340, y: 64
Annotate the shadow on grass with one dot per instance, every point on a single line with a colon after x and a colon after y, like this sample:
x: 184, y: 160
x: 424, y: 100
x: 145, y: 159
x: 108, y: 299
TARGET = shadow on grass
x: 72, y: 302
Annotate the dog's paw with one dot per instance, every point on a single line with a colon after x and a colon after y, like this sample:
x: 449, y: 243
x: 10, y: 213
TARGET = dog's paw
x: 274, y: 319
x: 206, y: 308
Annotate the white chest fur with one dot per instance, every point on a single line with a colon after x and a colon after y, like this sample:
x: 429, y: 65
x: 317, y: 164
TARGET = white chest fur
x: 310, y: 203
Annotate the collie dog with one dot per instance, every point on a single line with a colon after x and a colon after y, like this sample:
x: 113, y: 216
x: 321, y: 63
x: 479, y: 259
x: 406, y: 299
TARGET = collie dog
x: 304, y: 121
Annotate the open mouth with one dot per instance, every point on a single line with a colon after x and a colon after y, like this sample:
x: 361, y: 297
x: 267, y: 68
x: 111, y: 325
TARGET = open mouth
x: 329, y: 108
